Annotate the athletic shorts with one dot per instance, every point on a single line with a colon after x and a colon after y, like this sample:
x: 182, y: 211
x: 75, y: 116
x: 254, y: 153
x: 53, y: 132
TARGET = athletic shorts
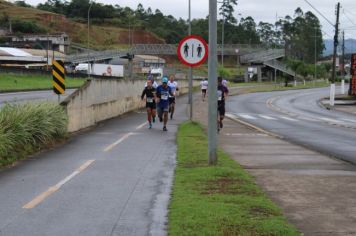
x: 203, y: 90
x: 172, y: 100
x: 221, y: 109
x: 160, y: 110
x: 151, y: 105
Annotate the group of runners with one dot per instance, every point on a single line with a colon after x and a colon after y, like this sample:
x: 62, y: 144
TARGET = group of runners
x: 162, y: 98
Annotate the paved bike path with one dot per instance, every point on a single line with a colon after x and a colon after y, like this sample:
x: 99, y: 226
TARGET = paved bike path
x: 112, y: 180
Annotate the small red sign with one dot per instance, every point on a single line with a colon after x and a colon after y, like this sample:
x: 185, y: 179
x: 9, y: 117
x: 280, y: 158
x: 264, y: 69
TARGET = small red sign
x: 192, y: 50
x: 353, y: 74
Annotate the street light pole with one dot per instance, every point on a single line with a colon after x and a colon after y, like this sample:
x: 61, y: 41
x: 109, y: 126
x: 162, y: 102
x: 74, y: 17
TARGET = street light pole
x: 88, y: 39
x: 212, y: 85
x: 223, y: 35
x: 222, y: 40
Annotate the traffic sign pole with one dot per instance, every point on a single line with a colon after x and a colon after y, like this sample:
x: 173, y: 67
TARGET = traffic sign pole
x: 212, y: 85
x: 192, y: 51
x: 190, y: 74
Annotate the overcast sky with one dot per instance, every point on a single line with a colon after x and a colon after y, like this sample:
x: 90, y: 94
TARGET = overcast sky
x: 260, y: 10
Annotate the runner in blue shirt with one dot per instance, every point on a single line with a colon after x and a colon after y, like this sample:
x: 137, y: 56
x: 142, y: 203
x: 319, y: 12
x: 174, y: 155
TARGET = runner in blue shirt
x: 163, y: 92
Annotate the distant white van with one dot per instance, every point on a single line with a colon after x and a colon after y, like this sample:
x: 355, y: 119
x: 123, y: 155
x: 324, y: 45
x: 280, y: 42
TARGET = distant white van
x: 101, y: 69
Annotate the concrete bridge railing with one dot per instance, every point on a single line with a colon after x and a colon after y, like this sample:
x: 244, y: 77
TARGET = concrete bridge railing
x: 101, y: 99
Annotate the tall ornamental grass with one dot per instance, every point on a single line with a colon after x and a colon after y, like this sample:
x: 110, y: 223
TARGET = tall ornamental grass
x: 24, y: 128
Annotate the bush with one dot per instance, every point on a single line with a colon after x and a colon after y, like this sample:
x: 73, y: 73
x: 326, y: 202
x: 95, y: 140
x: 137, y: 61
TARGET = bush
x: 25, y: 128
x: 26, y: 27
x: 223, y: 72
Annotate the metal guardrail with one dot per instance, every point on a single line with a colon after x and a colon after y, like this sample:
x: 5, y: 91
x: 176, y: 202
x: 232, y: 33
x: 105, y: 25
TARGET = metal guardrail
x: 157, y: 49
x: 95, y: 56
x: 279, y: 66
x: 262, y: 56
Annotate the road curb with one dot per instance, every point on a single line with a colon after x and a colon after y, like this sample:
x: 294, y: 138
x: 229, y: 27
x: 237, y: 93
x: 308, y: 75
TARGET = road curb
x: 251, y: 126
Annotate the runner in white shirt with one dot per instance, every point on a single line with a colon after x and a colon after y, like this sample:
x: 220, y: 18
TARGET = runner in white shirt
x: 172, y: 99
x: 154, y: 83
x: 204, y: 87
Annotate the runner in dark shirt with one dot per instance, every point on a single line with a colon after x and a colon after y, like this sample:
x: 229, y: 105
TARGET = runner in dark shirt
x: 150, y: 93
x: 222, y: 94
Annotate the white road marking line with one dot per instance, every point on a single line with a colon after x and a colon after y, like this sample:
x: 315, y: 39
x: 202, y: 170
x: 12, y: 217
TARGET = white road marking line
x: 141, y: 125
x: 308, y: 118
x: 40, y: 198
x: 244, y: 134
x: 330, y: 120
x: 349, y: 120
x: 247, y: 116
x: 111, y: 146
x: 267, y: 117
x: 288, y: 118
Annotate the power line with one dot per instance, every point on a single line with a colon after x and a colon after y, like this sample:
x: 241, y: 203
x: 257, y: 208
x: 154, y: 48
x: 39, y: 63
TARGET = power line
x: 324, y: 32
x: 319, y: 13
x: 348, y: 17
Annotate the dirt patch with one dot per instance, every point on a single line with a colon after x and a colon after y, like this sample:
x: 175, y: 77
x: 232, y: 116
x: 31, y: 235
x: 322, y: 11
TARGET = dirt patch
x: 227, y: 186
x: 195, y: 164
x: 262, y: 212
x: 138, y: 37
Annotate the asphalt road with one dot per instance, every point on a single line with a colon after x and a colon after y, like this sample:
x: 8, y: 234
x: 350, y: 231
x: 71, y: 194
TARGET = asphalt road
x: 112, y: 180
x: 43, y: 95
x: 297, y: 116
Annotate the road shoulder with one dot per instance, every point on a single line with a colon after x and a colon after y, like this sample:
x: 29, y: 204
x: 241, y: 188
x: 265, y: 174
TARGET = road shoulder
x: 315, y: 192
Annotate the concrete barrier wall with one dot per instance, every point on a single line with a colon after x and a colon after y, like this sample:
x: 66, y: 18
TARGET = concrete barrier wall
x: 102, y: 99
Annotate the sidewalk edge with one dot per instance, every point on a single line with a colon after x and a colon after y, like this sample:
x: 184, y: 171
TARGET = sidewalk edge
x: 251, y: 126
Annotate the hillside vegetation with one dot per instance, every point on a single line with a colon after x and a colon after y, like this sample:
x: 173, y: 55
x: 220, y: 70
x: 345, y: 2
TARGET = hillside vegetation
x: 111, y: 25
x: 46, y: 22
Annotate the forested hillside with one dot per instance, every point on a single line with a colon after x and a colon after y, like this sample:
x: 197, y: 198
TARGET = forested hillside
x: 117, y: 26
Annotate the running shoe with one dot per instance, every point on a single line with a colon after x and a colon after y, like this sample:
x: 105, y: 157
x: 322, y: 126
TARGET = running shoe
x: 164, y: 128
x: 150, y: 126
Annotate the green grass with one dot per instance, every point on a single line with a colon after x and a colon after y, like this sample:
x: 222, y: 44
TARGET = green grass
x: 26, y: 128
x: 346, y: 98
x: 21, y: 82
x: 218, y: 200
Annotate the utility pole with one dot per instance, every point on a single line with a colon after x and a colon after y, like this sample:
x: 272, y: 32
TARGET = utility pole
x: 332, y: 86
x: 315, y: 54
x: 212, y: 85
x: 190, y: 70
x: 343, y: 64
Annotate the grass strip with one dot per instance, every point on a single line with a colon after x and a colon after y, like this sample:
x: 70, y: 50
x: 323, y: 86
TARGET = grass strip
x: 218, y: 200
x: 26, y: 128
x: 278, y: 87
x: 21, y: 82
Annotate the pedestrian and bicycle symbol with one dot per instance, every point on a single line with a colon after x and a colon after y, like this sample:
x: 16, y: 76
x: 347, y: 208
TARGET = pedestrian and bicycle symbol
x: 192, y: 50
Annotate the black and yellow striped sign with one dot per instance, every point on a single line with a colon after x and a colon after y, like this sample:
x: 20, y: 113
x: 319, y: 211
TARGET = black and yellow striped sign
x: 59, y: 86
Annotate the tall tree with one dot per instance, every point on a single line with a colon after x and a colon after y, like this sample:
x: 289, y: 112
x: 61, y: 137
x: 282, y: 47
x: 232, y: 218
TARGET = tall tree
x: 227, y: 11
